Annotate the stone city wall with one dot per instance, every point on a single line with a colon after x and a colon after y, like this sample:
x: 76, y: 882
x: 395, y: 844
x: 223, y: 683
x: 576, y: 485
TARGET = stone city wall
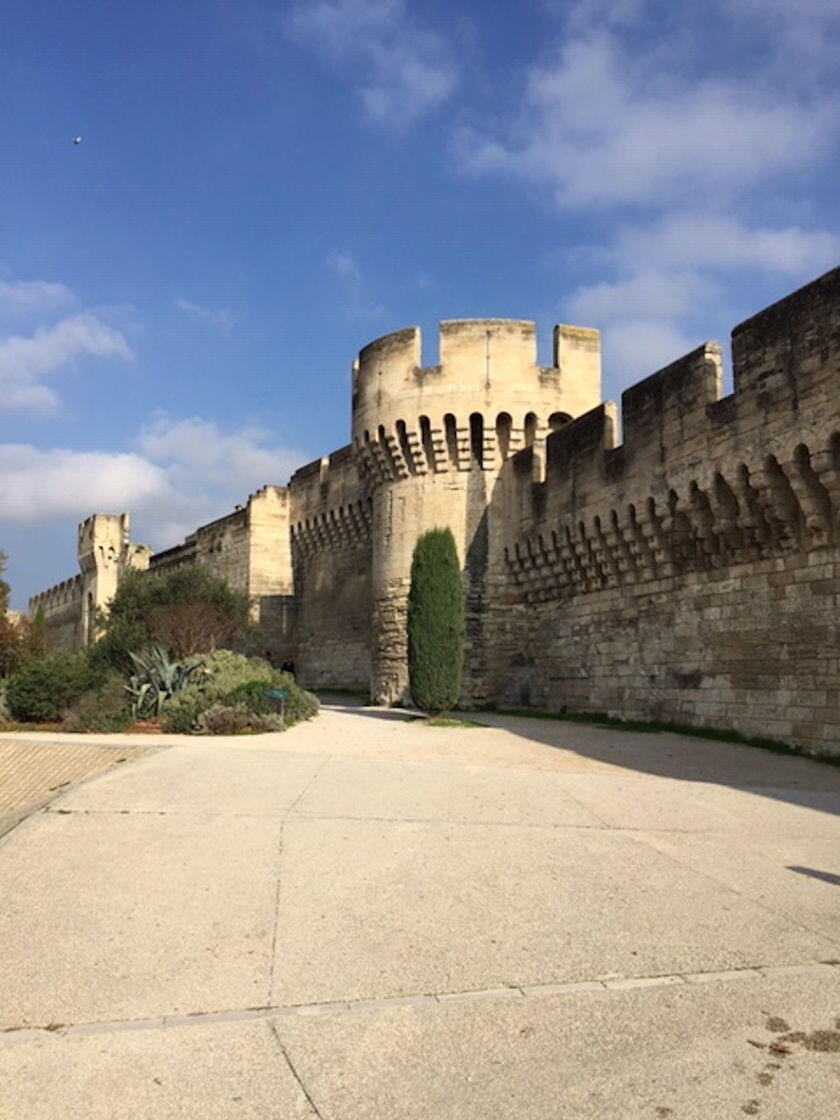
x: 61, y: 607
x: 683, y: 570
x: 689, y: 573
x: 331, y: 560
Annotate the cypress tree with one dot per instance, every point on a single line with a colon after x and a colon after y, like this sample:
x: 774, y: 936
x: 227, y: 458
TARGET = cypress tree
x: 435, y: 623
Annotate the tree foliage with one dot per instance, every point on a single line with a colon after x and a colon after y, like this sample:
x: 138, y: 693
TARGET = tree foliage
x: 189, y: 610
x: 5, y: 590
x: 21, y: 639
x: 435, y: 623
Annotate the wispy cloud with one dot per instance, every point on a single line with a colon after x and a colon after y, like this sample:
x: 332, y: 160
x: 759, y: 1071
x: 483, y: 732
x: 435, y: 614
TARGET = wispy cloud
x: 597, y: 131
x: 26, y: 360
x: 22, y: 298
x: 343, y: 264
x: 403, y: 68
x: 219, y: 318
x: 357, y: 303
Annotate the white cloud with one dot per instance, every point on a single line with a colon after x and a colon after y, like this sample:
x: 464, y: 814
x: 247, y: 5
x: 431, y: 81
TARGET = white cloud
x: 599, y: 129
x: 641, y: 318
x: 672, y: 277
x: 180, y: 474
x: 219, y: 318
x: 25, y: 361
x: 634, y: 348
x: 695, y: 240
x: 40, y: 485
x: 200, y: 458
x: 19, y: 298
x: 647, y: 293
x: 406, y: 70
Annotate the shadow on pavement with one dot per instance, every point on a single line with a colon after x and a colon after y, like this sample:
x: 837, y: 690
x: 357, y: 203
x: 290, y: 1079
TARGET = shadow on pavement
x: 792, y: 778
x: 811, y: 872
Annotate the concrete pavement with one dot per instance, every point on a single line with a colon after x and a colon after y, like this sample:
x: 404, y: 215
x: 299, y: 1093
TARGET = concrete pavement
x: 369, y: 917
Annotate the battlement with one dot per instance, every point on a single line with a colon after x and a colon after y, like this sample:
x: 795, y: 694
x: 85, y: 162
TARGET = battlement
x: 699, y: 475
x: 486, y: 365
x: 58, y: 596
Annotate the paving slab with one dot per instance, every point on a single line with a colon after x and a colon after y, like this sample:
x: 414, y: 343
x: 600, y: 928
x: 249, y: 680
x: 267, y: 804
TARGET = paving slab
x: 215, y: 1072
x: 798, y: 876
x: 685, y: 1052
x: 372, y: 908
x: 365, y: 788
x: 566, y: 920
x: 654, y: 802
x: 201, y: 778
x: 116, y: 915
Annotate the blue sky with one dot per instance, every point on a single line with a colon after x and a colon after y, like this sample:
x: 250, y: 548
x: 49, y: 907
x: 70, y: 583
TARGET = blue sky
x: 262, y: 188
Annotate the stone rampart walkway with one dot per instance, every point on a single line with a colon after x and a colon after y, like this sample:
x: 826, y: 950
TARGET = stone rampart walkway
x: 371, y: 918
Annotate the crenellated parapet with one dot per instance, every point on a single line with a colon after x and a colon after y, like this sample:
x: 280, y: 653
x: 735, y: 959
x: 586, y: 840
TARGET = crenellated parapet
x: 700, y: 481
x: 58, y: 597
x: 487, y: 367
x: 329, y: 506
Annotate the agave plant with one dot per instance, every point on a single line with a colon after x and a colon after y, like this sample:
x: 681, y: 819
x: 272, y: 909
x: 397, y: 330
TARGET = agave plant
x: 156, y: 679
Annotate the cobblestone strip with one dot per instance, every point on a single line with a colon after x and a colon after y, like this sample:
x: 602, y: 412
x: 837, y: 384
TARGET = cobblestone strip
x: 13, y: 1035
x: 33, y: 773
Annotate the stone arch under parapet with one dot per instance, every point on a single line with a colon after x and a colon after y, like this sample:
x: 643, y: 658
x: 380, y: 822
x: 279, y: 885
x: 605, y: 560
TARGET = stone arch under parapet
x: 477, y: 439
x: 426, y: 441
x: 816, y: 495
x: 405, y: 447
x: 558, y: 420
x: 450, y: 428
x: 529, y: 429
x: 504, y: 428
x: 786, y: 508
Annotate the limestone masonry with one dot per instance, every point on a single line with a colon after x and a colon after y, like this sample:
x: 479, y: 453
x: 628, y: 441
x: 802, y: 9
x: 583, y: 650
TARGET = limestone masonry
x: 688, y: 573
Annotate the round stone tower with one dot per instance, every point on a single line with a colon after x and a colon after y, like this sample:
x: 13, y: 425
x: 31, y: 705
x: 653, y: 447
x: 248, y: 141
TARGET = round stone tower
x: 431, y: 442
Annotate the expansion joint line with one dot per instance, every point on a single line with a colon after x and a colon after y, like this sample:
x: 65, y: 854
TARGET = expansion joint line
x: 295, y: 1073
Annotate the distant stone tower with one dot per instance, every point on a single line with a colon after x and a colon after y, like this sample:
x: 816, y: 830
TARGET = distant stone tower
x: 430, y: 444
x: 105, y: 552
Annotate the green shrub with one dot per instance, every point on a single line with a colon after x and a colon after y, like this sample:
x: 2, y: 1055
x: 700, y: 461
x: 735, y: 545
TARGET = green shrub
x: 224, y: 671
x: 252, y: 694
x: 5, y: 714
x: 234, y: 719
x: 182, y: 711
x: 230, y: 680
x: 104, y: 708
x: 435, y: 623
x: 41, y: 690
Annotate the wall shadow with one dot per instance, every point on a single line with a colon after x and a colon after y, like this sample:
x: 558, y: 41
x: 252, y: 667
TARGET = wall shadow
x: 795, y: 779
